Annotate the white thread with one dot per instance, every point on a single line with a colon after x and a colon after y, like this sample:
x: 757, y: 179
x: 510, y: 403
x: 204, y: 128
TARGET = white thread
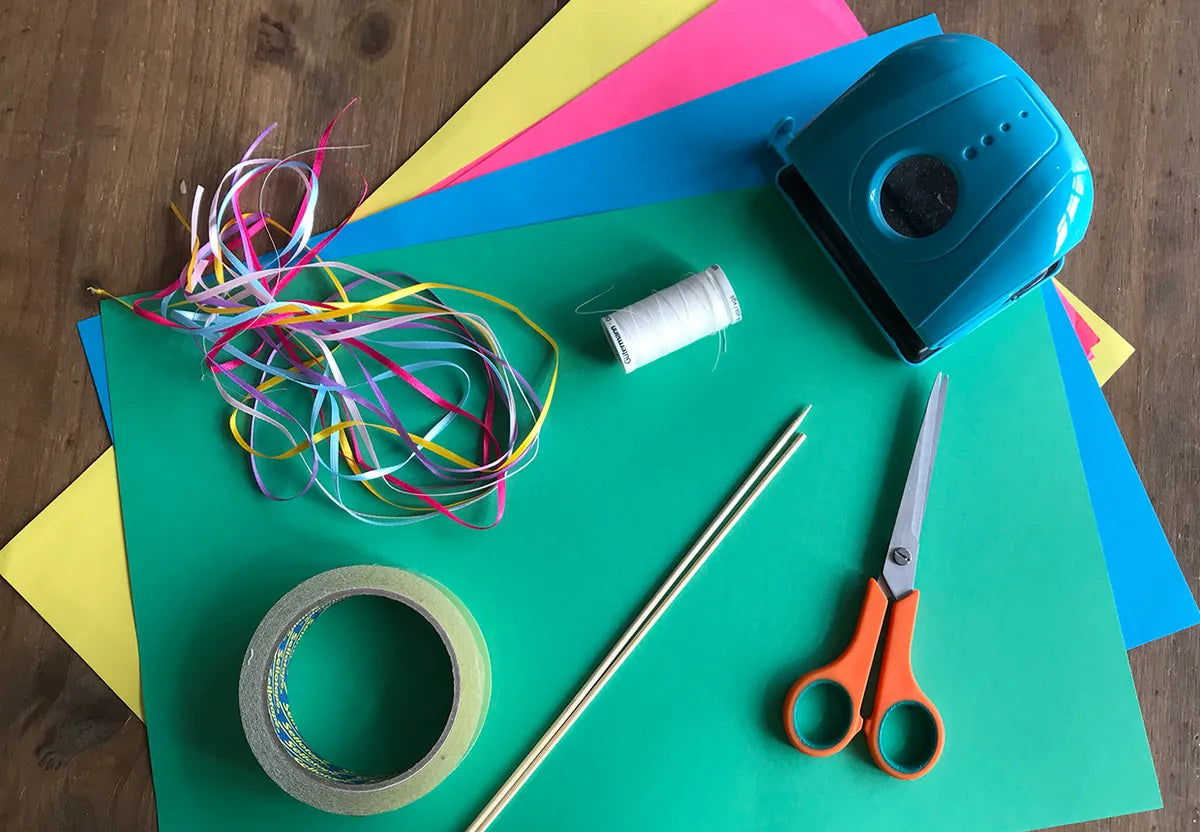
x: 696, y: 307
x: 579, y: 310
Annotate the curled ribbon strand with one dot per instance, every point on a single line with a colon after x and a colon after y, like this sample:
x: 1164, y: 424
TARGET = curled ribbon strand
x: 348, y: 357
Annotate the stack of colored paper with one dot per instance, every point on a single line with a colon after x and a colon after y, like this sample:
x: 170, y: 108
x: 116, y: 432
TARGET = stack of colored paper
x: 1044, y: 558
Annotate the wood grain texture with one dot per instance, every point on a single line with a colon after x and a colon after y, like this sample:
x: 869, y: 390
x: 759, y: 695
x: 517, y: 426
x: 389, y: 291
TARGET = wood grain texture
x: 107, y: 106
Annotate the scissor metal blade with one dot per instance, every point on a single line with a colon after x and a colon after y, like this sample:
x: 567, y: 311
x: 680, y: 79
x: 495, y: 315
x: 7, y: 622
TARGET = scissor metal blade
x: 900, y: 564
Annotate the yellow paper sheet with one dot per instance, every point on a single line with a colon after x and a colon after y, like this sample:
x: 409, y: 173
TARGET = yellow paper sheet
x: 69, y: 564
x: 1112, y: 351
x: 581, y: 44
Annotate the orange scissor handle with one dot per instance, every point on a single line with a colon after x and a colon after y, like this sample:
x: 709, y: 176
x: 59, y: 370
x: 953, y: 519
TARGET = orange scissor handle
x: 898, y: 699
x: 849, y: 673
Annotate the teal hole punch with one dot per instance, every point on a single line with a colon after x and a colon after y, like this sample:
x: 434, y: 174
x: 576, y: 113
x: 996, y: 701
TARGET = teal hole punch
x: 943, y: 185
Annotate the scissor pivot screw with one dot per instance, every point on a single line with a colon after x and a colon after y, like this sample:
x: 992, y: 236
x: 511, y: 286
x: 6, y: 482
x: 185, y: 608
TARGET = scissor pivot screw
x: 901, y: 556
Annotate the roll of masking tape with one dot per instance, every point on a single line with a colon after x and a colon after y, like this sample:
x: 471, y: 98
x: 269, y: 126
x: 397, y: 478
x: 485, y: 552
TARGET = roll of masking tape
x: 266, y: 714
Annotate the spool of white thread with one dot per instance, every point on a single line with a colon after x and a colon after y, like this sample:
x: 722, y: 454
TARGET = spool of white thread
x: 700, y: 305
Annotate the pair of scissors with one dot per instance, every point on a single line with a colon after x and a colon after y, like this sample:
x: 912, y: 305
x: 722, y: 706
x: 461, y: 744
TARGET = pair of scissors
x: 915, y: 736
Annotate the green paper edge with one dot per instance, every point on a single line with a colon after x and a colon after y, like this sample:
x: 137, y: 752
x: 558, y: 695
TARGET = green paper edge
x: 687, y: 734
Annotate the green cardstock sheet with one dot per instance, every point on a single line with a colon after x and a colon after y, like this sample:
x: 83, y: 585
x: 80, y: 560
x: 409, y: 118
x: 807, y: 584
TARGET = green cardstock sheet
x: 1017, y: 639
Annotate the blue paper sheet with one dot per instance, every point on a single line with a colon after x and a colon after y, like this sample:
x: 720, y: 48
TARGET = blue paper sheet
x: 718, y: 143
x: 93, y: 348
x: 715, y: 143
x: 1153, y: 598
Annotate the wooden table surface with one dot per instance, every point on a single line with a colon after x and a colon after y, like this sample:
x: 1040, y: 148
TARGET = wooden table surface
x: 106, y: 105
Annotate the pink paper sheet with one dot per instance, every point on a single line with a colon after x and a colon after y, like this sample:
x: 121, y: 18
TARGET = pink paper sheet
x: 1088, y: 338
x: 729, y: 42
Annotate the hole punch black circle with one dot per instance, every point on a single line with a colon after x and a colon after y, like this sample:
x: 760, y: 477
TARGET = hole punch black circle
x: 1024, y: 114
x: 987, y: 140
x: 919, y: 195
x: 970, y: 153
x: 1005, y: 127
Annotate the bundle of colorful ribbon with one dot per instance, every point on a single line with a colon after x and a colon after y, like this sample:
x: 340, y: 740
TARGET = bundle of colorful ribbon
x: 319, y: 375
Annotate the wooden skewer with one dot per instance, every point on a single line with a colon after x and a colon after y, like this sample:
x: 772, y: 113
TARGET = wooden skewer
x: 768, y: 466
